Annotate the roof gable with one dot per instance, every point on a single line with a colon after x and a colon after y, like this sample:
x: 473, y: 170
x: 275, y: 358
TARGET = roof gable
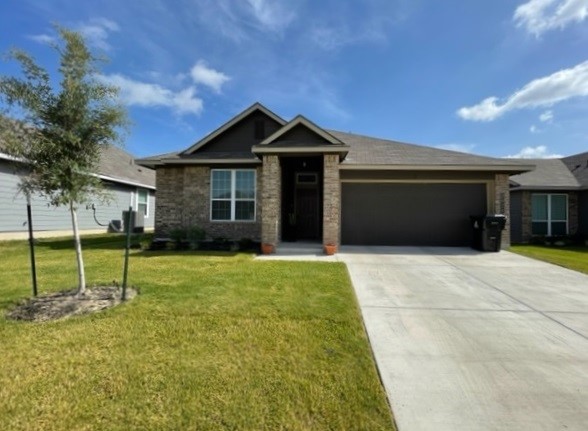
x: 256, y: 107
x: 294, y: 128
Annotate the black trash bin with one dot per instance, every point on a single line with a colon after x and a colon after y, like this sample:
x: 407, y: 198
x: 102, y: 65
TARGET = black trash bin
x: 488, y: 231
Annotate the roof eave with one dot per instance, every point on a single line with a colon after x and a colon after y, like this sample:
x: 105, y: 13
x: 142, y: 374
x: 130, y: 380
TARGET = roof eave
x: 550, y: 187
x: 163, y: 162
x: 491, y: 168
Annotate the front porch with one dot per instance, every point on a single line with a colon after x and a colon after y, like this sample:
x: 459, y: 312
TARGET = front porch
x: 301, y: 200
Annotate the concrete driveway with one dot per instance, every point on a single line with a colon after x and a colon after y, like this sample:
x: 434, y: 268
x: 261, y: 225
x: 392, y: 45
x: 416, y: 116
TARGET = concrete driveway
x: 475, y: 341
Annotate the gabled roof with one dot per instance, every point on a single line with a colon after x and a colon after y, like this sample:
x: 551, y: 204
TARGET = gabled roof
x: 372, y: 153
x: 273, y: 143
x: 549, y: 174
x: 578, y: 166
x: 301, y: 120
x: 255, y: 107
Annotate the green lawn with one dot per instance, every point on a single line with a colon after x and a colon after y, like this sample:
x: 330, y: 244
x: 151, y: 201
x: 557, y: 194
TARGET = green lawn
x: 575, y: 258
x: 212, y: 342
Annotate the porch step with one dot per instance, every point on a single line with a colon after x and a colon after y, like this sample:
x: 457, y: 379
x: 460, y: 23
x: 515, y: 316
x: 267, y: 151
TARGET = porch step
x: 299, y: 248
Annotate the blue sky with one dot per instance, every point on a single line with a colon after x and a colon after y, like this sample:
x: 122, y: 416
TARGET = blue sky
x: 498, y: 78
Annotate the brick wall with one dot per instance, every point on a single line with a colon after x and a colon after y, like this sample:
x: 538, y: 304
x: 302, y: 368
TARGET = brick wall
x: 527, y: 213
x: 271, y: 200
x: 183, y: 200
x: 502, y: 204
x: 331, y: 200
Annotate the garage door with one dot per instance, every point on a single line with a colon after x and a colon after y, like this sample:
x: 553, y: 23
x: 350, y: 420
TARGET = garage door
x: 410, y: 214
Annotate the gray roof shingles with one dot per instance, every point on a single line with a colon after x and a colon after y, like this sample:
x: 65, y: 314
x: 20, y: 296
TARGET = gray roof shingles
x: 578, y: 165
x: 120, y: 165
x: 548, y: 174
x: 365, y: 150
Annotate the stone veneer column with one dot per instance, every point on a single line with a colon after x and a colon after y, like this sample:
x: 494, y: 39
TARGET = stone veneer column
x: 331, y: 200
x: 502, y: 204
x: 271, y: 200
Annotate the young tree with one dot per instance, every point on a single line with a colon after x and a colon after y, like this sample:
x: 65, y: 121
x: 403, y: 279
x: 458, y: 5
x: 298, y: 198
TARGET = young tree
x: 60, y: 134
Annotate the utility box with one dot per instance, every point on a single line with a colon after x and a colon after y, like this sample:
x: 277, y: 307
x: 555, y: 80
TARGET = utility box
x: 137, y: 224
x: 488, y: 231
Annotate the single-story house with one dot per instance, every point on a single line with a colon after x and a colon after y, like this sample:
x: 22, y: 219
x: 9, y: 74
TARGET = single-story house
x: 551, y: 200
x: 261, y: 177
x: 129, y: 185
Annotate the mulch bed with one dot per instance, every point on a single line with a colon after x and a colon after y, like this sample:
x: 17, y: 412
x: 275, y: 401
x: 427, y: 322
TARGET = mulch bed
x: 64, y: 304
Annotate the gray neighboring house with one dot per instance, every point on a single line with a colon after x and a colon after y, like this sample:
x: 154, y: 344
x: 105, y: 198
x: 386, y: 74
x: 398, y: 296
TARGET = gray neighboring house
x: 552, y: 200
x: 259, y: 176
x: 128, y: 183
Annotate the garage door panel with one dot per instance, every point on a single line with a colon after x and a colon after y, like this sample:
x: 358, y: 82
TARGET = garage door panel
x: 410, y: 214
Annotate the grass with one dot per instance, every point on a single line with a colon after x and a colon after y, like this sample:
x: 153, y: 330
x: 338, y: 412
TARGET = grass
x: 575, y: 257
x: 212, y: 342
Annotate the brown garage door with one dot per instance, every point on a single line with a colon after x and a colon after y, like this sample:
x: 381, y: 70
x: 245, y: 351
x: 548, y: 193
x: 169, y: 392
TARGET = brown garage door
x: 410, y: 214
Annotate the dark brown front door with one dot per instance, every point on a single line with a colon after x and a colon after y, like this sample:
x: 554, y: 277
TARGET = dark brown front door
x: 307, y: 212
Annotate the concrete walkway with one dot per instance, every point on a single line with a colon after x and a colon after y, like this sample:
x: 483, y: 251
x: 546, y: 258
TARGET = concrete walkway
x: 475, y: 341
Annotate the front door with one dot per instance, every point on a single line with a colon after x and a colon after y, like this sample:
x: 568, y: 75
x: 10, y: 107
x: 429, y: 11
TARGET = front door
x: 307, y: 209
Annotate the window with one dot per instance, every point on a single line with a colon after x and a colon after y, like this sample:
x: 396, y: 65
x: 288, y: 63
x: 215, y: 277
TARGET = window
x: 143, y: 201
x: 232, y: 195
x: 550, y: 214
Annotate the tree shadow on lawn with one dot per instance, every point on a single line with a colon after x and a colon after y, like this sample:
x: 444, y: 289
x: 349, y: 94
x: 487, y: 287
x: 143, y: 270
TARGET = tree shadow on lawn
x: 195, y: 253
x: 103, y: 242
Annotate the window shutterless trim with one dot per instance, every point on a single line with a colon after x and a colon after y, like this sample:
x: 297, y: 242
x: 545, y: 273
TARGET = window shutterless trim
x: 233, y: 199
x: 549, y: 221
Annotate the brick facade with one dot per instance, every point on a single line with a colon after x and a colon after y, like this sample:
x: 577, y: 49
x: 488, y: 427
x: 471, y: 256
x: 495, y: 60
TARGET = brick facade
x: 331, y: 200
x: 527, y: 213
x: 271, y: 200
x: 183, y: 200
x: 502, y: 204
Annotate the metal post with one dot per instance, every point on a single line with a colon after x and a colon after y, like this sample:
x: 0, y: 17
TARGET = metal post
x: 32, y: 246
x: 127, y: 248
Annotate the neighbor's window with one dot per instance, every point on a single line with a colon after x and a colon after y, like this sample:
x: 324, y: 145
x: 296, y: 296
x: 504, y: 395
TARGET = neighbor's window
x: 232, y: 195
x: 550, y: 214
x: 143, y: 201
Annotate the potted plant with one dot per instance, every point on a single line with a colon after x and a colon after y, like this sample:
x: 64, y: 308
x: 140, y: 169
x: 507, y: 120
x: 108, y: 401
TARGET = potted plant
x: 267, y: 248
x: 330, y: 249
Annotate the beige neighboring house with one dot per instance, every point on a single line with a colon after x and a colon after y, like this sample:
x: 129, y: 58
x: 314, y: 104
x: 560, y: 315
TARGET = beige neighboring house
x: 261, y: 177
x: 129, y: 184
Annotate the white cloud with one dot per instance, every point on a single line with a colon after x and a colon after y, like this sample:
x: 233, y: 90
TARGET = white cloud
x: 534, y: 129
x: 538, y: 16
x: 43, y: 38
x: 271, y: 14
x: 136, y: 93
x: 538, y: 152
x: 462, y: 148
x: 96, y: 32
x: 546, y: 117
x: 202, y: 74
x: 546, y: 91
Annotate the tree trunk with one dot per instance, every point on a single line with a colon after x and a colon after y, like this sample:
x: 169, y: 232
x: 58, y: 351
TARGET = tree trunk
x: 78, y: 247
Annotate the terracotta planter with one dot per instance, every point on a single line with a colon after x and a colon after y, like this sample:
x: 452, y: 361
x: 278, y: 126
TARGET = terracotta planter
x: 267, y: 248
x: 330, y: 249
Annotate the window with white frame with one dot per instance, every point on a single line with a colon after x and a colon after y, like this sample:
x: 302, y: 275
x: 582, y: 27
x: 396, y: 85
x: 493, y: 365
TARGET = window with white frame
x: 232, y: 196
x: 550, y: 214
x: 143, y: 201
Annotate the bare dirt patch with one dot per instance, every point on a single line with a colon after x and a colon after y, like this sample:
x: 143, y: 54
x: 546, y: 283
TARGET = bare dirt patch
x: 64, y: 304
